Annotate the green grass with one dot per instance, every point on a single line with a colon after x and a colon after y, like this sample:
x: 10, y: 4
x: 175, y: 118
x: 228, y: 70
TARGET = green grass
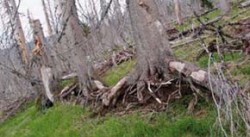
x: 58, y: 121
x: 112, y: 76
x: 192, y: 20
x: 67, y: 82
x: 75, y: 121
x: 245, y: 69
x: 203, y: 61
x: 231, y: 16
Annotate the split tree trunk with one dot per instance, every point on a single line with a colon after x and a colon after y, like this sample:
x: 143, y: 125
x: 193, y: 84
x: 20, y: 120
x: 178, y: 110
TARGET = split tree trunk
x: 41, y: 52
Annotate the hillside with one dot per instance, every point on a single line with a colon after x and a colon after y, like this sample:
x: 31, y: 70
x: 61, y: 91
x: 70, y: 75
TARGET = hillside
x: 189, y: 111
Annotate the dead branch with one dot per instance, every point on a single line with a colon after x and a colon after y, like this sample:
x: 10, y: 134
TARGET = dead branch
x: 108, y: 97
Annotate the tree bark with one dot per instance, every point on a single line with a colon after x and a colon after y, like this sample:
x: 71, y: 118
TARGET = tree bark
x: 177, y: 8
x: 76, y: 45
x: 45, y: 10
x: 18, y: 29
x: 151, y: 42
x: 152, y: 47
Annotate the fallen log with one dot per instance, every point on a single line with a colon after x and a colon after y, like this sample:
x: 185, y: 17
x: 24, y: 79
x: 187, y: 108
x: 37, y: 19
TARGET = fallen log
x: 245, y: 4
x: 69, y: 76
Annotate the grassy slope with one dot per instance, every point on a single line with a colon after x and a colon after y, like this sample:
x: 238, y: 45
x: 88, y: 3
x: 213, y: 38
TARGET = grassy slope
x: 240, y: 73
x: 74, y: 121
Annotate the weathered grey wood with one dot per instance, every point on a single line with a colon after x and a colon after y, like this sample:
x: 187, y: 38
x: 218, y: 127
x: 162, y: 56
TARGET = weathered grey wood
x: 46, y: 74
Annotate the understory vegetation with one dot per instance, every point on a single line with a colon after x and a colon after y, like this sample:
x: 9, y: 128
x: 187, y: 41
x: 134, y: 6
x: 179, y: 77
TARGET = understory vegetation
x: 69, y: 119
x: 72, y: 120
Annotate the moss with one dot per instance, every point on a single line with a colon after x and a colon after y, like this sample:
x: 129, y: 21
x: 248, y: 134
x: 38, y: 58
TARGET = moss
x: 112, y: 76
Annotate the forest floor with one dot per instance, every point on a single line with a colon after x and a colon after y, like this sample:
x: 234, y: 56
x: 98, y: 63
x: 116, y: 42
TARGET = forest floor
x: 66, y: 119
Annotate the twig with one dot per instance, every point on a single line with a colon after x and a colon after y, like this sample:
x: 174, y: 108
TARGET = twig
x: 153, y: 95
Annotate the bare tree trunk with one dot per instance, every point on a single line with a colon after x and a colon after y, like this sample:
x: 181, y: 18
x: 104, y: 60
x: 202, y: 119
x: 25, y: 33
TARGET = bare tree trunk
x: 19, y: 34
x: 51, y: 15
x: 150, y: 39
x: 103, y: 5
x: 177, y: 8
x: 47, y: 18
x: 77, y: 45
x: 58, y: 4
x: 40, y: 52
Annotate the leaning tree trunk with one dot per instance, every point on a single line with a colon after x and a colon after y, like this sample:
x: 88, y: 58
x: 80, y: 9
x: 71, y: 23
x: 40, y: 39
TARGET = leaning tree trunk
x: 76, y: 45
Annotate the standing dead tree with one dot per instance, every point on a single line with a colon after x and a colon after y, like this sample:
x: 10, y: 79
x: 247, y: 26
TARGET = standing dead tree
x: 41, y: 58
x: 12, y: 11
x: 45, y: 10
x: 177, y: 7
x: 74, y: 44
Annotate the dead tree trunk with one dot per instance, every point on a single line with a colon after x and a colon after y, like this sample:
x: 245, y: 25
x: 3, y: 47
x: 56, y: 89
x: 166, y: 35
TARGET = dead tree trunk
x: 150, y: 40
x: 77, y: 46
x: 45, y: 10
x: 18, y: 30
x: 58, y: 4
x: 40, y: 54
x: 177, y: 8
x: 51, y: 15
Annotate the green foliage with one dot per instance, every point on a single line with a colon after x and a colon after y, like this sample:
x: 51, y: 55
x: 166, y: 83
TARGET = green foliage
x: 203, y: 61
x: 112, y: 76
